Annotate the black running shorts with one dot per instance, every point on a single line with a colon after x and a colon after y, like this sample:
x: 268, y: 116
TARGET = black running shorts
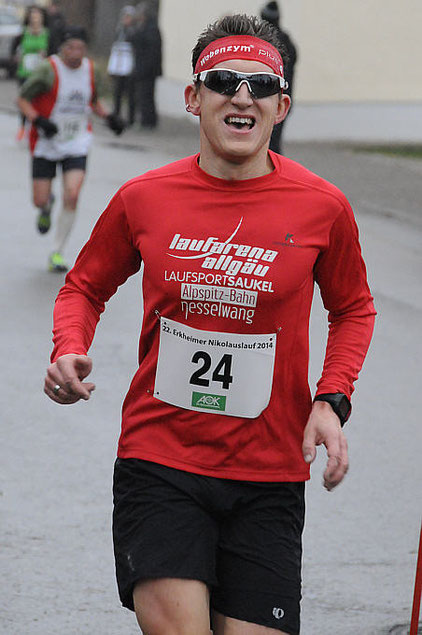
x: 46, y: 169
x: 242, y: 538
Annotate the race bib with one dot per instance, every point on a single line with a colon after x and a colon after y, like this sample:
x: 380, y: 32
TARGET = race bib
x: 207, y: 371
x: 31, y: 61
x: 69, y: 128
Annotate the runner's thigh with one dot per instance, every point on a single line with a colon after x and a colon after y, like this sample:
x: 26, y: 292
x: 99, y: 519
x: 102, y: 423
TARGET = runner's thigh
x: 169, y: 605
x: 160, y: 527
x: 259, y: 558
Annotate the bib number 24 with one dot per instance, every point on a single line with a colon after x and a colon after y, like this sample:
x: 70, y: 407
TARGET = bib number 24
x: 221, y: 373
x: 206, y: 371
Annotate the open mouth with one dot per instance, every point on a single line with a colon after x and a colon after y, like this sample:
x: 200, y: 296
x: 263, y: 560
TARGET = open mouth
x: 240, y: 123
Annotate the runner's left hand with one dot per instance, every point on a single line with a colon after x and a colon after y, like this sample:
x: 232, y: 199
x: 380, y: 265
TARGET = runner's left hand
x: 115, y: 123
x: 323, y: 427
x: 48, y: 127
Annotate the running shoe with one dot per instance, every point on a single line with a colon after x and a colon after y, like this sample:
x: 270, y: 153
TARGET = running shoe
x: 56, y: 263
x: 44, y: 216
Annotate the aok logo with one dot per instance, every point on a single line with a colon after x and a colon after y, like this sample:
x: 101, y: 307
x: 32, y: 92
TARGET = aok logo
x: 209, y: 402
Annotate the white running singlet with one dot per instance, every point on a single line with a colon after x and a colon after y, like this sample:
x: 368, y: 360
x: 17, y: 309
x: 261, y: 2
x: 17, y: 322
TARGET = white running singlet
x: 70, y: 113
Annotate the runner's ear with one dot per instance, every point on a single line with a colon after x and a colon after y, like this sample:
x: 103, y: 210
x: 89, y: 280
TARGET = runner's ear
x: 283, y: 108
x: 192, y: 100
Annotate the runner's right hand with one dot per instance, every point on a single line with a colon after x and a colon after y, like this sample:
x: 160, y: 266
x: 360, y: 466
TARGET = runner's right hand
x: 64, y: 382
x: 46, y: 125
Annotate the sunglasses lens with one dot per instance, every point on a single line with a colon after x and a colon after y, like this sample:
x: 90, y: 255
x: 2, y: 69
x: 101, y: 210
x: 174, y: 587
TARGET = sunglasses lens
x: 227, y: 82
x: 223, y: 82
x: 264, y: 85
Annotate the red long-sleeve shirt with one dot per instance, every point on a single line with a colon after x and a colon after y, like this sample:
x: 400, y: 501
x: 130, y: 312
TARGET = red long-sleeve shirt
x: 232, y: 257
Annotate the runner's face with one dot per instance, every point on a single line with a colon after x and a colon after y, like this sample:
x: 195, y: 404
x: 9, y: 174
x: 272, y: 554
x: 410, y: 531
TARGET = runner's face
x: 223, y: 139
x: 72, y: 52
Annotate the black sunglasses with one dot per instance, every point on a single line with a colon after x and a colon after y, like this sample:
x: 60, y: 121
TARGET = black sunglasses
x: 227, y: 82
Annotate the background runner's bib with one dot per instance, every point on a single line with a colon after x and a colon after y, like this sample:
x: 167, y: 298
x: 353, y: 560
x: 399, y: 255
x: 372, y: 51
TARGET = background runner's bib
x: 69, y: 128
x: 207, y: 371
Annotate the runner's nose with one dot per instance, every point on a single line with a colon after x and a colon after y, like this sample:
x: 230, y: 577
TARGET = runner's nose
x: 242, y: 96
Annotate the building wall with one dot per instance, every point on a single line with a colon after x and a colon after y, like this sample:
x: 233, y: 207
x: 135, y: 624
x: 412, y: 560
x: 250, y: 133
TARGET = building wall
x: 353, y: 52
x: 360, y: 51
x: 106, y: 19
x: 81, y: 13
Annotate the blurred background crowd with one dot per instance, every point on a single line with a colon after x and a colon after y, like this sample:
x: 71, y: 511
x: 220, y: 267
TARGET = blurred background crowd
x: 131, y: 64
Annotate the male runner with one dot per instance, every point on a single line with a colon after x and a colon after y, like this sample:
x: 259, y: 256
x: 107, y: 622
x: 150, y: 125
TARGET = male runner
x: 218, y: 426
x: 58, y: 99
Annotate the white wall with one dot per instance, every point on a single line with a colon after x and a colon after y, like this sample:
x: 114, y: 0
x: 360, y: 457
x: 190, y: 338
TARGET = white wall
x: 360, y: 51
x: 352, y: 51
x: 359, y: 74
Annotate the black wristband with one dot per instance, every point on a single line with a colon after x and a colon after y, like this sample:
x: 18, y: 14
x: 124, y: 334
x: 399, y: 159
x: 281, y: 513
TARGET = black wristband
x: 339, y: 403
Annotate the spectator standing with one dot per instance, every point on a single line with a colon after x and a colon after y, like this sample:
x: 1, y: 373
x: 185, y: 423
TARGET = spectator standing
x: 121, y: 64
x: 147, y: 50
x: 56, y: 25
x: 29, y: 49
x: 58, y: 98
x: 272, y: 13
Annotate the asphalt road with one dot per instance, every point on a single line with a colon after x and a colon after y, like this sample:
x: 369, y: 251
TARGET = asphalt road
x: 360, y: 541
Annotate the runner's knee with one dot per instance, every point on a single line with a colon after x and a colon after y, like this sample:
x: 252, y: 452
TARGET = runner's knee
x: 40, y: 200
x: 71, y: 200
x: 159, y: 611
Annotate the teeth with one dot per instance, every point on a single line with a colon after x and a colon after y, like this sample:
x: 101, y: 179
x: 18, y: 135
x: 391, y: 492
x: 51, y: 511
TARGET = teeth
x: 241, y: 120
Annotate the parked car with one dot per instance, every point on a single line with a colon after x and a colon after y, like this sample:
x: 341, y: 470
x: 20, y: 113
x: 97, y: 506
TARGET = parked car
x: 10, y: 27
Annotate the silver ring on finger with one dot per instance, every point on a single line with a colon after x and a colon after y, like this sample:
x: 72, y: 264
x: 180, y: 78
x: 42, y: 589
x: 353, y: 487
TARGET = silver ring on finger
x: 56, y: 389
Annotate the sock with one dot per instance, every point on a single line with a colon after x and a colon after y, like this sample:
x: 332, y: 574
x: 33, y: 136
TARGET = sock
x: 50, y: 203
x: 64, y: 224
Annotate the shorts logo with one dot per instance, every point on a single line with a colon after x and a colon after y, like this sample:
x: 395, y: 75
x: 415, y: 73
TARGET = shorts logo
x: 278, y: 613
x: 209, y: 402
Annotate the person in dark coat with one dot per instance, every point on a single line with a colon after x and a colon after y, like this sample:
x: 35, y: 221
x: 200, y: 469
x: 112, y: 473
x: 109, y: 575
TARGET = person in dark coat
x: 271, y: 12
x: 56, y: 23
x: 146, y: 43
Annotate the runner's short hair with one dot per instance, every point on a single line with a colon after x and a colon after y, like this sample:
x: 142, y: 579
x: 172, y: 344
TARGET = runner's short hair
x: 73, y: 32
x: 238, y: 24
